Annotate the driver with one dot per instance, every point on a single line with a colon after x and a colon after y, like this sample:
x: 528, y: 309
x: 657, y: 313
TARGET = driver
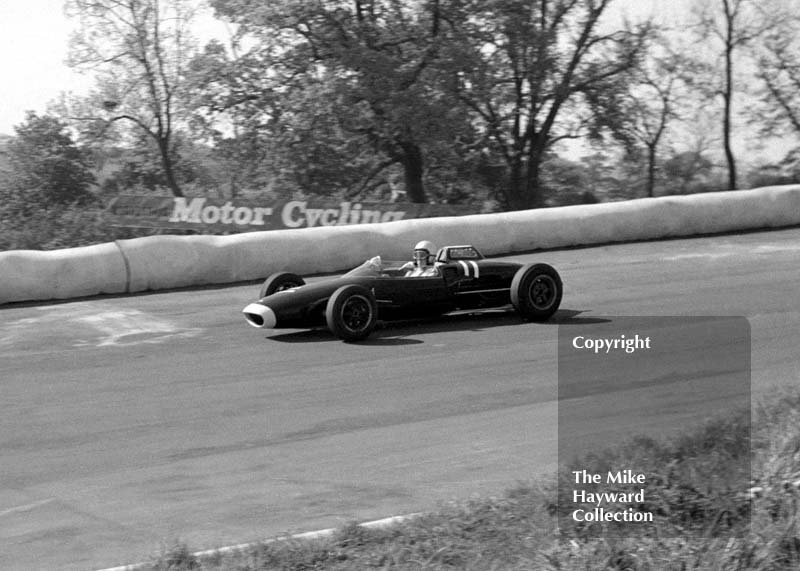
x: 422, y: 266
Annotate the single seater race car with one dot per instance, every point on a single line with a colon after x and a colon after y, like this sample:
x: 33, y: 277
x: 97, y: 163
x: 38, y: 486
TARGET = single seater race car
x: 351, y: 305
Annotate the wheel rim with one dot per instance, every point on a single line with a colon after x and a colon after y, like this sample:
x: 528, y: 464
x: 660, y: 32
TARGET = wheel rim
x: 356, y: 313
x: 542, y: 292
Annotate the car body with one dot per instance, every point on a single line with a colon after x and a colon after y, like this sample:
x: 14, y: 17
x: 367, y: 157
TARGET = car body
x: 350, y: 305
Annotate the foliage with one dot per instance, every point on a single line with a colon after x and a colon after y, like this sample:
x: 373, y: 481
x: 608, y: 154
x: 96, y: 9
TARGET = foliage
x: 353, y: 88
x: 237, y: 113
x: 55, y: 227
x: 45, y: 168
x: 136, y: 170
x: 525, y: 66
x: 639, y: 107
x: 47, y: 195
x: 432, y: 100
x: 424, y: 86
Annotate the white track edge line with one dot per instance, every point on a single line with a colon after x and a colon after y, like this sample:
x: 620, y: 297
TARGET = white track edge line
x: 387, y: 521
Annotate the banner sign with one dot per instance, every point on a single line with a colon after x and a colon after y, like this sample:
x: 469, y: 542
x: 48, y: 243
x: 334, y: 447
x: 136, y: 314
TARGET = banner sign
x: 206, y: 214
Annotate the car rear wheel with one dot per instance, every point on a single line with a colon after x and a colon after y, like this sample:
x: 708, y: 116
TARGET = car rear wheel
x: 279, y: 282
x: 536, y: 291
x: 352, y: 312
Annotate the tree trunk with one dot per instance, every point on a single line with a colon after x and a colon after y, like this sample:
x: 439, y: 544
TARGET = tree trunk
x: 514, y: 194
x: 726, y: 133
x: 524, y: 185
x: 533, y: 184
x: 651, y: 170
x: 169, y: 171
x: 413, y: 167
x: 728, y: 96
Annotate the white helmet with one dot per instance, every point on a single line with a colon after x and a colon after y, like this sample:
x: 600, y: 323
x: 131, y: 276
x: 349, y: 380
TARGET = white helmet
x: 423, y: 253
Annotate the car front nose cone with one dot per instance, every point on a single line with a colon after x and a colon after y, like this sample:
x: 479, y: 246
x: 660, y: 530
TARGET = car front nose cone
x: 260, y: 316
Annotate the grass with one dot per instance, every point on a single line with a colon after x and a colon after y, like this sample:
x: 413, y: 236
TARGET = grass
x: 711, y: 526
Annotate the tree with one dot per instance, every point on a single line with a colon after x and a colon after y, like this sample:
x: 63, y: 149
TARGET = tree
x: 286, y: 124
x: 639, y: 106
x: 733, y: 24
x: 45, y: 166
x: 378, y: 64
x: 525, y: 66
x: 689, y: 164
x: 230, y: 115
x: 138, y: 50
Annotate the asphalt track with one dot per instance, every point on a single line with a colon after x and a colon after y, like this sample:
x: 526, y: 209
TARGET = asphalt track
x: 127, y: 423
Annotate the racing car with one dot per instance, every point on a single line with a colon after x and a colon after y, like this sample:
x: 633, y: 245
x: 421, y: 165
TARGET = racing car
x: 351, y: 305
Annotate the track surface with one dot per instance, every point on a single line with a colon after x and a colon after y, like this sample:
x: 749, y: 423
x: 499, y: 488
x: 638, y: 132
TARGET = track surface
x: 127, y: 423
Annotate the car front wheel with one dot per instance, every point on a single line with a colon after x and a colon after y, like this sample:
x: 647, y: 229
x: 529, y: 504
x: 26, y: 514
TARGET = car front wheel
x: 536, y: 292
x: 279, y: 282
x: 352, y: 312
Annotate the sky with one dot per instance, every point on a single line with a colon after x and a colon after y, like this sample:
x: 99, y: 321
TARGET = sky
x: 34, y: 43
x: 33, y: 47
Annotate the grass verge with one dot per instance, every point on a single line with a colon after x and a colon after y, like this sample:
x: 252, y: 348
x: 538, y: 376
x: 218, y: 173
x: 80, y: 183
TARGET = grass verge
x: 711, y: 527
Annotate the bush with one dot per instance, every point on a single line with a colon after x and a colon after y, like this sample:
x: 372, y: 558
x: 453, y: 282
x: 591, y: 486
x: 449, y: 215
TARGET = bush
x: 59, y: 227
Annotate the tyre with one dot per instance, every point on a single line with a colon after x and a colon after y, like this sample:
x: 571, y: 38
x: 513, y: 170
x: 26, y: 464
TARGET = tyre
x: 536, y: 292
x: 279, y: 282
x: 351, y: 313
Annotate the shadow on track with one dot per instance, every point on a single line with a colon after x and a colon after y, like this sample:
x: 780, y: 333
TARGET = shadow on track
x: 570, y: 317
x: 397, y: 332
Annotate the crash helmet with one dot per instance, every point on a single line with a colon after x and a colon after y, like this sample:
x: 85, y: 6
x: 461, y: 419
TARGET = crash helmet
x: 423, y: 253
